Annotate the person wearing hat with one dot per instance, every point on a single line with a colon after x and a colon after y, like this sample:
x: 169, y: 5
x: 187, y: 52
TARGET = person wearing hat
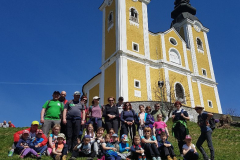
x: 24, y: 145
x: 51, y: 113
x: 60, y: 149
x: 179, y: 128
x: 206, y: 132
x: 159, y: 110
x: 124, y: 148
x: 95, y: 113
x: 189, y: 149
x: 32, y: 133
x: 36, y: 141
x: 72, y: 118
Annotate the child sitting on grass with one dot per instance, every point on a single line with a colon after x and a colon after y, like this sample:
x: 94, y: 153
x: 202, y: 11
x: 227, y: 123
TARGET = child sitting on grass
x: 189, y: 150
x: 158, y: 127
x: 137, y: 152
x: 24, y: 145
x: 60, y: 148
x: 90, y: 131
x: 98, y: 143
x: 110, y: 151
x: 166, y: 148
x: 52, y: 139
x: 37, y: 142
x: 83, y: 149
x: 115, y: 141
x: 124, y: 149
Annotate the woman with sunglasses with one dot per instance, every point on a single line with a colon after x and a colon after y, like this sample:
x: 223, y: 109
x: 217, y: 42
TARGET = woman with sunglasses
x: 128, y: 120
x: 150, y: 144
x: 95, y: 113
x: 111, y: 115
x: 149, y: 120
x: 179, y: 129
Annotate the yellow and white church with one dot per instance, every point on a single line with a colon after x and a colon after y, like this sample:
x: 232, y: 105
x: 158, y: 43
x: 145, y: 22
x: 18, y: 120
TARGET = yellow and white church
x: 135, y: 59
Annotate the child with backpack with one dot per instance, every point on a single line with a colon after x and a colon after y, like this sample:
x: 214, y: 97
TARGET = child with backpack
x: 124, y: 148
x: 137, y: 152
x: 52, y: 139
x: 159, y: 127
x: 24, y: 146
x: 142, y: 119
x: 166, y: 148
x: 60, y: 148
x: 84, y: 149
x: 189, y: 149
x: 109, y: 149
x: 115, y: 141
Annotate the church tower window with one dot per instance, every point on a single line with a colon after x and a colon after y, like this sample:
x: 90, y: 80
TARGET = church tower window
x: 110, y: 20
x: 204, y: 72
x: 199, y: 44
x: 179, y: 92
x: 133, y: 15
x: 135, y: 47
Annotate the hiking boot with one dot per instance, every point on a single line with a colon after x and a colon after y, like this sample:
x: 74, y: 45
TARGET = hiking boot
x: 58, y: 157
x: 38, y: 156
x: 169, y: 158
x: 175, y: 158
x: 64, y: 157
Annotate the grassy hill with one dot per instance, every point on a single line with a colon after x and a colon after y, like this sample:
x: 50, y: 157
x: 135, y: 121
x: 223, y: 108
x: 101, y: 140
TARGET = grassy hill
x: 225, y: 141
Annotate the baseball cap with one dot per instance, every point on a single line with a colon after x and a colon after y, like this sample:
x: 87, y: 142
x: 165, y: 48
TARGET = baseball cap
x: 35, y: 123
x: 124, y: 137
x: 56, y: 92
x: 39, y: 131
x: 188, y: 137
x: 114, y: 135
x: 96, y: 97
x: 87, y: 136
x: 25, y: 132
x: 61, y: 135
x: 77, y: 93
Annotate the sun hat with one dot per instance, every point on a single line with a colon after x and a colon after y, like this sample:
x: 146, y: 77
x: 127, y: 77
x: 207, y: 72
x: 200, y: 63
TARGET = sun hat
x: 124, y: 137
x: 198, y: 106
x: 188, y: 137
x: 77, y: 93
x: 61, y: 135
x: 39, y: 131
x: 25, y: 132
x: 96, y: 97
x: 35, y: 123
x: 114, y: 135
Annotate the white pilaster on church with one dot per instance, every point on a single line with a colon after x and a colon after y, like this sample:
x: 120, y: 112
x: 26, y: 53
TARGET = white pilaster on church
x: 145, y: 30
x: 200, y: 93
x: 124, y: 77
x: 188, y: 30
x: 190, y: 91
x: 103, y: 36
x: 148, y: 80
x: 167, y: 83
x: 185, y: 55
x: 163, y: 49
x: 218, y: 100
x: 122, y: 34
x: 101, y: 86
x: 209, y: 56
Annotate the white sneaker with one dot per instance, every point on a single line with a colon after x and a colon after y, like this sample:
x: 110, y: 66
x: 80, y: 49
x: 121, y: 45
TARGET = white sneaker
x: 154, y: 158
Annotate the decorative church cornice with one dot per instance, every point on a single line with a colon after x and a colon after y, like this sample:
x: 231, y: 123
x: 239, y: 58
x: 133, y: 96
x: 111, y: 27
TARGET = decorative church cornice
x: 145, y: 1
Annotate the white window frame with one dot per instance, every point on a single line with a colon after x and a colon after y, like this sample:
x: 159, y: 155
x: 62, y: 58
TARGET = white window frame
x: 135, y: 80
x: 110, y: 23
x: 178, y: 54
x: 200, y: 49
x: 131, y: 21
x: 211, y: 103
x: 174, y: 40
x: 184, y: 95
x: 134, y: 43
x: 205, y: 72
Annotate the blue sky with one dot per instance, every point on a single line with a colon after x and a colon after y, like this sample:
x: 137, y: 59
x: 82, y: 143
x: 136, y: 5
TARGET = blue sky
x: 56, y: 45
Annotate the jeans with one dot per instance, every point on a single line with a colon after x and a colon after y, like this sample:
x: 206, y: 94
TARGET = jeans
x: 191, y: 155
x: 206, y: 136
x: 96, y: 122
x: 73, y: 128
x: 150, y: 150
x: 41, y: 149
x: 48, y: 124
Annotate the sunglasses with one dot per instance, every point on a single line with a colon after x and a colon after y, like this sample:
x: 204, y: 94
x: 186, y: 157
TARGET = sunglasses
x: 111, y: 132
x: 85, y: 99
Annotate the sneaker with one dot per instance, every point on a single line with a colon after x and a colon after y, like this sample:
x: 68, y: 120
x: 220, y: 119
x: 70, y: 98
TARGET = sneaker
x: 175, y: 158
x: 154, y: 158
x: 169, y: 158
x: 48, y: 153
x: 38, y: 156
x: 158, y: 158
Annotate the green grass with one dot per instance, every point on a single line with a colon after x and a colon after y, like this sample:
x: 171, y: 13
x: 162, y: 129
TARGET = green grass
x: 226, y: 142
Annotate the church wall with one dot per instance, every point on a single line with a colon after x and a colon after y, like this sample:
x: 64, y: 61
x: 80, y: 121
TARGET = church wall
x: 179, y: 46
x: 110, y: 82
x: 136, y: 71
x: 202, y: 58
x: 196, y: 93
x: 156, y: 75
x: 190, y: 62
x: 135, y: 33
x: 110, y: 36
x: 209, y: 94
x: 155, y: 47
x: 182, y: 79
x: 93, y: 92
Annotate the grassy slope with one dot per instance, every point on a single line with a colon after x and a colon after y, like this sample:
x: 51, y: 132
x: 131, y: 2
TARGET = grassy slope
x: 225, y: 141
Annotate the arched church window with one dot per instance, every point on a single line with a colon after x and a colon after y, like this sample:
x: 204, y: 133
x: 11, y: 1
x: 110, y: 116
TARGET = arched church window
x: 199, y: 44
x: 174, y: 56
x: 134, y: 15
x: 110, y: 20
x: 179, y: 92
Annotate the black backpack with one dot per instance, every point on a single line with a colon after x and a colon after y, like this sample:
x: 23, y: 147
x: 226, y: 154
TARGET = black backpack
x: 212, y: 123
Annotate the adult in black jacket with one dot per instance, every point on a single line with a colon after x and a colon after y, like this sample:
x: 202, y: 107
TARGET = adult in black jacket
x: 111, y: 115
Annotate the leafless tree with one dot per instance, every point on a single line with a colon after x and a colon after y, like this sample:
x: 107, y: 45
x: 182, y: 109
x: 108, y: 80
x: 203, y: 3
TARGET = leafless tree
x: 171, y: 93
x: 232, y: 112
